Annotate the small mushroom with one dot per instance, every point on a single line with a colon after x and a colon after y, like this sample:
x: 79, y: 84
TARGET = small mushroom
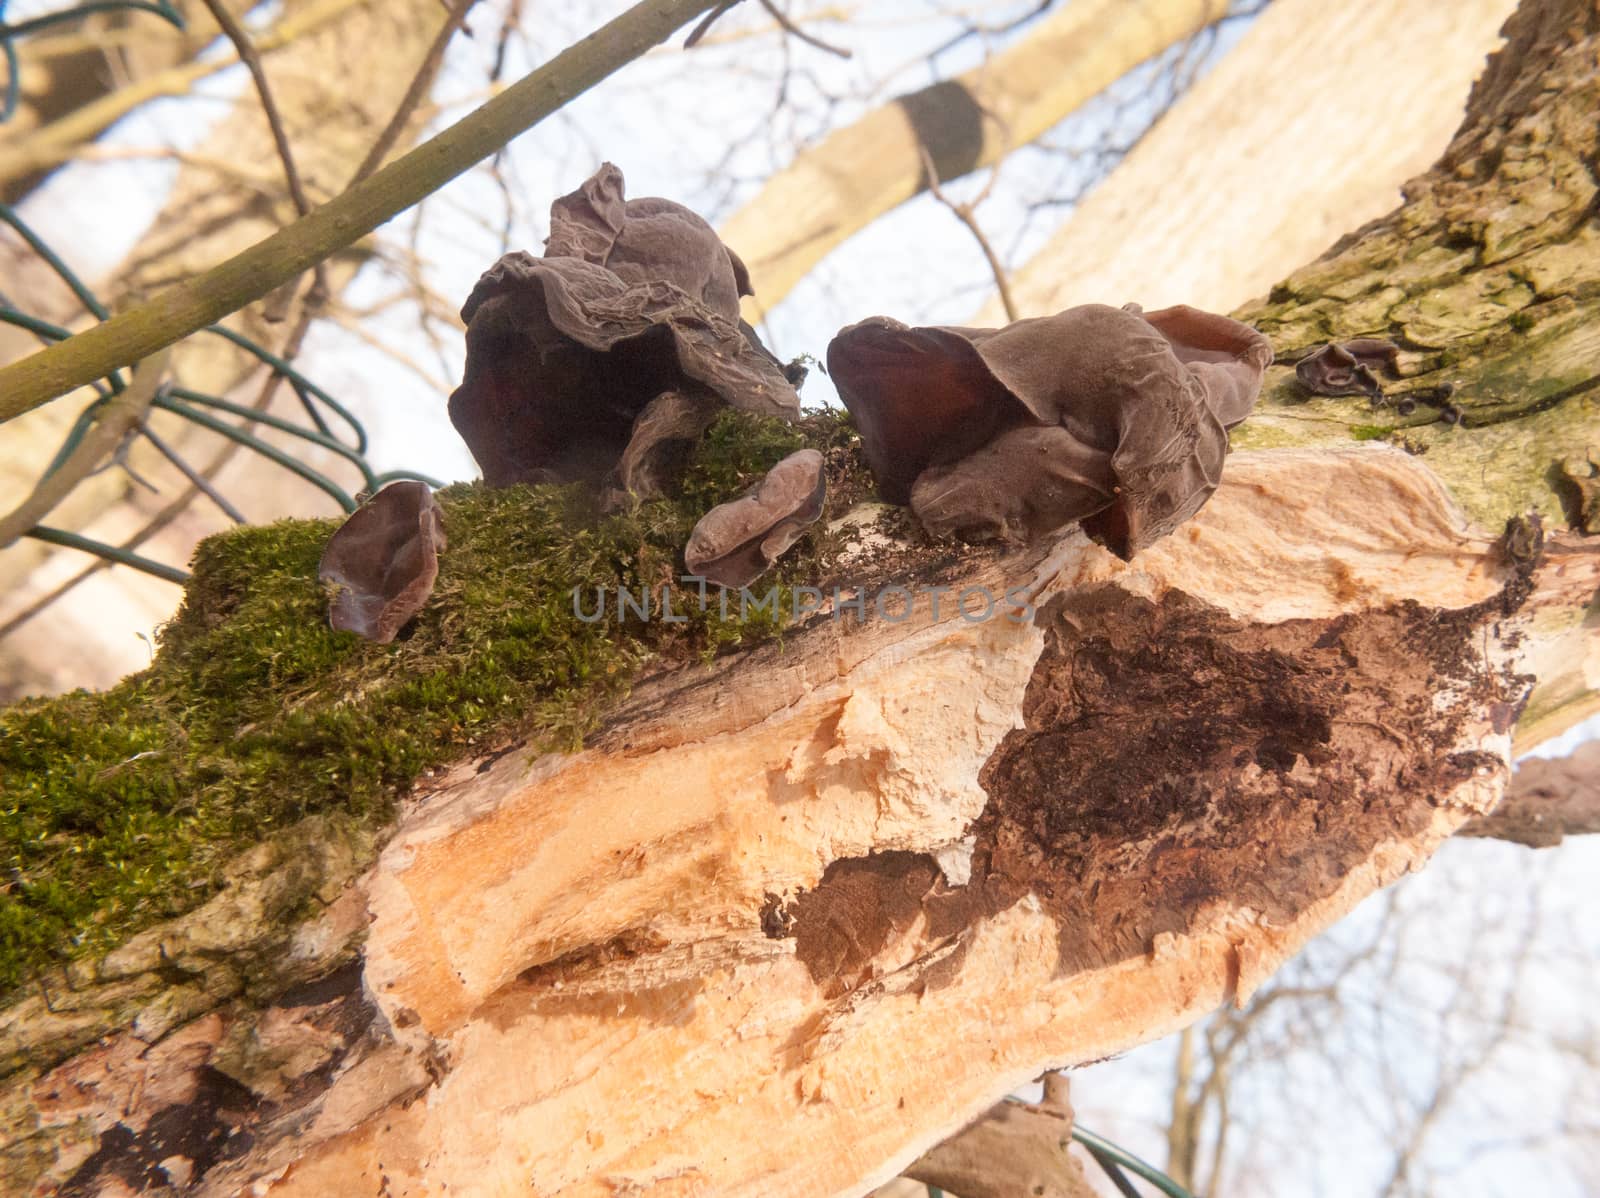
x: 634, y: 299
x: 383, y: 561
x: 735, y: 542
x: 1110, y: 416
x: 1347, y: 367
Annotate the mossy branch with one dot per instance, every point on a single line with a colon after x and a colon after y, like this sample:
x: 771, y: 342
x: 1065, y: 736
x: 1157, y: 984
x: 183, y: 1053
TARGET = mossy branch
x: 247, y: 276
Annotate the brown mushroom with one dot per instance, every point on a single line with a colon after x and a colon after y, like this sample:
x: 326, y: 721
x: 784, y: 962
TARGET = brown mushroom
x: 383, y: 561
x: 735, y: 542
x: 1110, y: 416
x: 1347, y: 367
x: 634, y: 299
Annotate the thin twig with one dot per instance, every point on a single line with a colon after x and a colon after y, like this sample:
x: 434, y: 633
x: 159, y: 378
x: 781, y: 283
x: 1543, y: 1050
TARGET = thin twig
x: 421, y: 83
x: 246, y: 49
x: 122, y: 412
x: 967, y: 215
x: 189, y: 472
x: 711, y: 18
x: 784, y: 23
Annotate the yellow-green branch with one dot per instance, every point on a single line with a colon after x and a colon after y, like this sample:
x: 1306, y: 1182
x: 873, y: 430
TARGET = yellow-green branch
x: 247, y: 276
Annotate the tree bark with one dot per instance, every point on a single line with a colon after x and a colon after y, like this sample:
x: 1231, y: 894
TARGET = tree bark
x: 795, y: 916
x: 1484, y: 278
x: 1291, y: 173
x: 857, y: 174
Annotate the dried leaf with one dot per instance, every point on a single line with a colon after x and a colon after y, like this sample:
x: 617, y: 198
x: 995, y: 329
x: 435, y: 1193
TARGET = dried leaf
x: 383, y: 561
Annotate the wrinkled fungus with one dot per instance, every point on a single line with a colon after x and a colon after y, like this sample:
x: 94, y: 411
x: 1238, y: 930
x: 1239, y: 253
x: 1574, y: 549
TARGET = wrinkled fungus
x: 383, y: 561
x: 1347, y: 367
x: 604, y: 360
x: 735, y: 542
x: 1114, y: 417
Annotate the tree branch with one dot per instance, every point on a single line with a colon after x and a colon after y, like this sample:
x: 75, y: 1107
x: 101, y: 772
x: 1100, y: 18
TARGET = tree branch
x: 60, y: 139
x: 1547, y: 801
x: 1016, y: 1148
x: 247, y: 276
x: 122, y: 413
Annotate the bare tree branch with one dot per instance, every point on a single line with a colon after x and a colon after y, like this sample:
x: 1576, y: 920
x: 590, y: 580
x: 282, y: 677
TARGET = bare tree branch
x: 1547, y: 801
x: 967, y: 214
x: 342, y: 221
x: 123, y: 412
x: 1016, y: 1148
x: 788, y: 26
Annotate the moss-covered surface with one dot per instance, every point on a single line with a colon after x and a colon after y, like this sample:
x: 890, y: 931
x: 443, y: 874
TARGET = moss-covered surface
x: 1487, y: 280
x: 120, y: 809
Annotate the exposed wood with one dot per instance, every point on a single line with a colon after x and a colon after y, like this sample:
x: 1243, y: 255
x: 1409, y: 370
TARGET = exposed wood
x: 859, y: 173
x: 575, y: 957
x: 1547, y: 801
x: 795, y: 916
x: 1285, y: 169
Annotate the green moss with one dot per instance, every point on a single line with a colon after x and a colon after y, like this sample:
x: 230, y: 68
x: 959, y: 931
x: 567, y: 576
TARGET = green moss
x: 1369, y: 432
x: 119, y: 809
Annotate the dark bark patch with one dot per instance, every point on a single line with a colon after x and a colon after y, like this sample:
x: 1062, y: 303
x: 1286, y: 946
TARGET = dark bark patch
x: 863, y: 905
x: 1172, y: 757
x: 191, y: 1136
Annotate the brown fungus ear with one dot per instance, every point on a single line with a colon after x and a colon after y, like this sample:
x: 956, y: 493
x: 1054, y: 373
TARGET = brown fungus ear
x: 1098, y: 414
x: 734, y: 543
x: 633, y: 298
x: 383, y: 561
x: 1347, y: 367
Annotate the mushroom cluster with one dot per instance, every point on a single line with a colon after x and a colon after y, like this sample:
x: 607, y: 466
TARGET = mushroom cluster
x: 1110, y: 416
x: 604, y: 360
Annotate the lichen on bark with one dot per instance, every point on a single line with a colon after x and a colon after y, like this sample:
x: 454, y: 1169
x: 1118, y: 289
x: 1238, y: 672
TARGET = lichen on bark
x: 1487, y: 277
